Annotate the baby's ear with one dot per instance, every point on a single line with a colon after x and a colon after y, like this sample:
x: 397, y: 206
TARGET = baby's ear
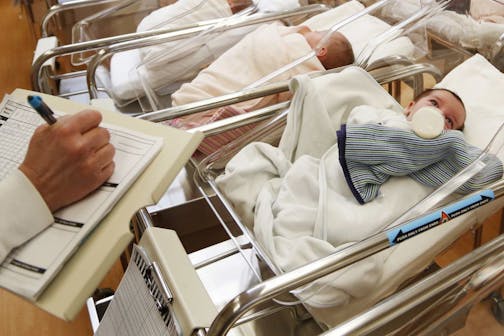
x: 407, y: 109
x: 322, y: 52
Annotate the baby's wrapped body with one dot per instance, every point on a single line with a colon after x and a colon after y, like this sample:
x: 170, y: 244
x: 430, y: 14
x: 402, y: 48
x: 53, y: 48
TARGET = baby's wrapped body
x: 260, y: 53
x: 125, y: 81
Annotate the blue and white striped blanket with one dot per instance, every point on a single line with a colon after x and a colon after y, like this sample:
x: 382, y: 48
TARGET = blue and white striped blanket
x: 370, y: 154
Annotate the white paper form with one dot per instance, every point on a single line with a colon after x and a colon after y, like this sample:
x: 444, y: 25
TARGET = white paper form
x: 138, y: 307
x: 28, y: 269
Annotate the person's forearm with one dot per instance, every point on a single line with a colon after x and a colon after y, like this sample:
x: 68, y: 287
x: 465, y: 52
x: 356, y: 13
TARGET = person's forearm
x: 65, y: 161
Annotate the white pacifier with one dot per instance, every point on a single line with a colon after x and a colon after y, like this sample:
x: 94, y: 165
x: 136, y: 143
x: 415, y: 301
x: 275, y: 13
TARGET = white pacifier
x: 428, y: 122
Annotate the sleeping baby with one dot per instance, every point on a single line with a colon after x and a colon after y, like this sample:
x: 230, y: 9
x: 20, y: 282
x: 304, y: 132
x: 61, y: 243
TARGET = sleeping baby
x: 261, y: 52
x: 258, y: 54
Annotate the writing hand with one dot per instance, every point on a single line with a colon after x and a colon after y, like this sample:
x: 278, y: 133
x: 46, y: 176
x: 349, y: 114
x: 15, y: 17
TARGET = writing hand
x: 69, y: 159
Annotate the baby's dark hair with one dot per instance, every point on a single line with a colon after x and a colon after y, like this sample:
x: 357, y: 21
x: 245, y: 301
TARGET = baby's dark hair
x: 340, y: 50
x: 427, y: 91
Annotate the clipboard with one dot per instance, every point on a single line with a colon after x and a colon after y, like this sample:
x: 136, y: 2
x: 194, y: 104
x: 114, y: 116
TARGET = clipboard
x: 80, y: 276
x: 152, y: 301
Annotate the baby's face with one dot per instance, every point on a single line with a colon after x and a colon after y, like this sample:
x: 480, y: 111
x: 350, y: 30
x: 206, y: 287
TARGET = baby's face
x: 452, y: 109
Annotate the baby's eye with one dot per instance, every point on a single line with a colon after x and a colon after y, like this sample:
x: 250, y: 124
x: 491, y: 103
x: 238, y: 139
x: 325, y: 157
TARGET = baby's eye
x: 434, y: 102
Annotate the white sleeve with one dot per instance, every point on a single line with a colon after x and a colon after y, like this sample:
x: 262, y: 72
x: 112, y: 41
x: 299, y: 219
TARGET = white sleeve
x: 276, y: 5
x: 367, y: 114
x: 24, y: 212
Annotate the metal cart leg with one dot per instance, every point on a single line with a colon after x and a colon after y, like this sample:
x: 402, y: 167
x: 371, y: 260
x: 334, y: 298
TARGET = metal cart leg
x: 497, y: 306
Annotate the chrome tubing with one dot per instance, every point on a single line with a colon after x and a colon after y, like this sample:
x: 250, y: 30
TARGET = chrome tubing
x: 248, y: 118
x: 381, y: 77
x: 69, y: 75
x: 414, y: 70
x: 215, y: 102
x: 101, y: 43
x: 389, y: 60
x: 56, y: 9
x: 420, y: 292
x: 140, y: 221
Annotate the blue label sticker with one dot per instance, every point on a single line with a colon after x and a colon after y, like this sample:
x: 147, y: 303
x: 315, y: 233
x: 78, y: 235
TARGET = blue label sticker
x: 399, y: 234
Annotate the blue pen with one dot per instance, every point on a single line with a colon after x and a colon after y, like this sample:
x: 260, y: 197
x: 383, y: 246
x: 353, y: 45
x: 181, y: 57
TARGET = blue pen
x: 42, y: 109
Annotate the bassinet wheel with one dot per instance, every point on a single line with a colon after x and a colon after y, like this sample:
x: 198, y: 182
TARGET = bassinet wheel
x: 498, y: 307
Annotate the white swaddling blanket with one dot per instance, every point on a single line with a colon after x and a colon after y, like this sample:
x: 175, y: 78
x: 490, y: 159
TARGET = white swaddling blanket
x: 457, y: 28
x: 180, y: 13
x: 263, y: 51
x: 297, y: 195
x: 191, y: 11
x: 275, y: 5
x: 201, y: 10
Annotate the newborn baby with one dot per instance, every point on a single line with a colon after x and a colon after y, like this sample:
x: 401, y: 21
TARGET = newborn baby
x: 440, y: 109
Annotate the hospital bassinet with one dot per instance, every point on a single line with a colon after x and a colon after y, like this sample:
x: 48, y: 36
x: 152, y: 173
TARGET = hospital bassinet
x: 205, y: 232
